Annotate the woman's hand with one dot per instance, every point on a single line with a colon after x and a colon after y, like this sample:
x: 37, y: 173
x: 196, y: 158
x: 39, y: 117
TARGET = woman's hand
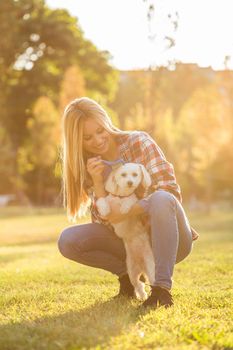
x: 95, y: 168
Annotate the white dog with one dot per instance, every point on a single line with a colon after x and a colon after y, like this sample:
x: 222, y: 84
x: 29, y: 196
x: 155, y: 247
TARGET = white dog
x: 121, y: 184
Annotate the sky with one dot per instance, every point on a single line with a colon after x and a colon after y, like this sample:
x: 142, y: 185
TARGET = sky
x: 204, y: 35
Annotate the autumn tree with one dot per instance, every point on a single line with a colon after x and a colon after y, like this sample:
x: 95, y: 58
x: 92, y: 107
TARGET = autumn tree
x: 204, y: 128
x: 72, y: 86
x: 7, y: 157
x: 38, y: 156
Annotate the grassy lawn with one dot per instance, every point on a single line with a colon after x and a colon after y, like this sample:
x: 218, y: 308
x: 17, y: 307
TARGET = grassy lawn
x: 48, y: 302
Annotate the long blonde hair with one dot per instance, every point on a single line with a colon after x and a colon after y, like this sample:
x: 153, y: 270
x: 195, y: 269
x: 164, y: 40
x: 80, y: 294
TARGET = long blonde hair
x: 75, y: 197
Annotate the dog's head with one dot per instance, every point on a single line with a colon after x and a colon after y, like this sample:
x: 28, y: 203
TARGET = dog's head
x: 124, y: 180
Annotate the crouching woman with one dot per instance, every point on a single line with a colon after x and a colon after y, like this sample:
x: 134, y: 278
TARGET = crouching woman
x: 89, y: 137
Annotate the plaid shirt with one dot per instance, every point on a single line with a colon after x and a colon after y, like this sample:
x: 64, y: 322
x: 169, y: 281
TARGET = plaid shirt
x: 139, y: 147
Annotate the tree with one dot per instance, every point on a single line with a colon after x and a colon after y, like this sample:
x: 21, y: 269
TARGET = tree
x: 37, y: 47
x: 40, y: 150
x: 204, y: 123
x: 7, y: 156
x: 129, y: 94
x: 72, y: 86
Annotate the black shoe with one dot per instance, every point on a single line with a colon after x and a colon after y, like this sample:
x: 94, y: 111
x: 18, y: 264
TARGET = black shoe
x: 159, y: 297
x: 126, y: 287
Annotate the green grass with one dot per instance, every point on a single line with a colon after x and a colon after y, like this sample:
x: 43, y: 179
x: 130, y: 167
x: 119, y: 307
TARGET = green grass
x: 48, y: 302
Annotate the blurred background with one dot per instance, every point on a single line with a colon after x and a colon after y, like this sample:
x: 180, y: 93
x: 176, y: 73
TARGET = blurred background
x: 160, y: 66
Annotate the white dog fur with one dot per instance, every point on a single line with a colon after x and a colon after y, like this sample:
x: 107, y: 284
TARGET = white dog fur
x: 121, y: 184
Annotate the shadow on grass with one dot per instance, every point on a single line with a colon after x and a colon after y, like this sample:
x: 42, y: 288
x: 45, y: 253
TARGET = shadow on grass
x: 91, y: 326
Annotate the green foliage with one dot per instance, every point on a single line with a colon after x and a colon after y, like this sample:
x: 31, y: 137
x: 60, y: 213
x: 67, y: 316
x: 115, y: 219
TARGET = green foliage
x: 39, y: 153
x: 40, y: 44
x: 38, y: 47
x: 7, y: 156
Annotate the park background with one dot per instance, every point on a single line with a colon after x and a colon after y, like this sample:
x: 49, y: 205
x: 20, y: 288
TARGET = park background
x: 45, y: 62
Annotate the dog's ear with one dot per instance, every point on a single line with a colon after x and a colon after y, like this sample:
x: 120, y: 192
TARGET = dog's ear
x: 146, y: 179
x: 111, y: 184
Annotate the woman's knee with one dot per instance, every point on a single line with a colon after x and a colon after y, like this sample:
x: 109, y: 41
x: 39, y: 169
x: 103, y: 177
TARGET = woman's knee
x: 184, y: 252
x: 162, y: 200
x: 66, y: 242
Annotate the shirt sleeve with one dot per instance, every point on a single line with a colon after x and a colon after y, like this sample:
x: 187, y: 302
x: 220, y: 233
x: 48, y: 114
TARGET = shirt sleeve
x: 93, y: 208
x: 161, y: 171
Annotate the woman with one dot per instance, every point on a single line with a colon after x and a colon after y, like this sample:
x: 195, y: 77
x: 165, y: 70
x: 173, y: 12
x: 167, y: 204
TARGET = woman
x: 89, y: 137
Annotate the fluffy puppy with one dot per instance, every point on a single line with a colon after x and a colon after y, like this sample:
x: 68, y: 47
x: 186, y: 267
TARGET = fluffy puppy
x: 121, y: 184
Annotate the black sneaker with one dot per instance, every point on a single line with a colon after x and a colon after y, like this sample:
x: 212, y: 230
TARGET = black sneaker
x: 159, y: 297
x: 126, y: 287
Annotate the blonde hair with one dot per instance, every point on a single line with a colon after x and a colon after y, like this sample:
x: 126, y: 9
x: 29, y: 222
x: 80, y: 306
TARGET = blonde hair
x: 75, y: 196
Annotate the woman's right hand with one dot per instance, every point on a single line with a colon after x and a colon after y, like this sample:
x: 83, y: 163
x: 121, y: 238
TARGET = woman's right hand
x: 95, y: 168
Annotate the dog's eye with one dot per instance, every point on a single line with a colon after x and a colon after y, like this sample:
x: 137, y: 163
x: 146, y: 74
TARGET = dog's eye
x: 135, y: 174
x: 124, y: 174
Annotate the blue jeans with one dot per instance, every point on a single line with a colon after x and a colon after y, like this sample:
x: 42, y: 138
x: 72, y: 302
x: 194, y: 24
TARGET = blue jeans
x: 96, y: 245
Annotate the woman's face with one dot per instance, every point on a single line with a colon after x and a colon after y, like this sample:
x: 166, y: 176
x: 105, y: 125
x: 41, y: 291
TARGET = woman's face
x: 96, y: 139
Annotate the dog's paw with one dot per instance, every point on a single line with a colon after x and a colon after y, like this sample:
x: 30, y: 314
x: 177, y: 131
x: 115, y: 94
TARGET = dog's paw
x: 103, y: 206
x: 125, y: 208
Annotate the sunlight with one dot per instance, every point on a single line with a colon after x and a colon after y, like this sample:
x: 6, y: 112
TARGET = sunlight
x: 121, y: 27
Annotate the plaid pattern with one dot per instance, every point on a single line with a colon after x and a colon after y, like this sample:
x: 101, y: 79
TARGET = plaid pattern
x: 139, y: 147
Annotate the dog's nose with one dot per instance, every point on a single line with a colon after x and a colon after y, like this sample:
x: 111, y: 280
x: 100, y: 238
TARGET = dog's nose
x: 129, y: 183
